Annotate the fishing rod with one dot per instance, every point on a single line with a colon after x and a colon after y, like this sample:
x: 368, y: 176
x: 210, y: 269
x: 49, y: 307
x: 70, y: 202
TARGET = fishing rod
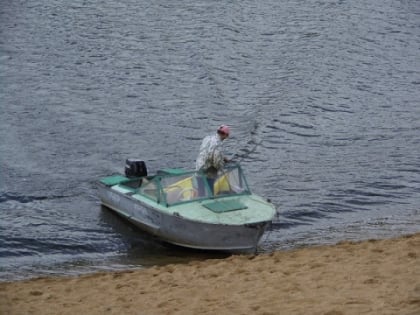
x: 238, y: 157
x: 242, y: 156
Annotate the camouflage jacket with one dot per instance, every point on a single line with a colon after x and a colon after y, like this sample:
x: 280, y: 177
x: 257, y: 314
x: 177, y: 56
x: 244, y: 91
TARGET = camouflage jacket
x: 210, y: 157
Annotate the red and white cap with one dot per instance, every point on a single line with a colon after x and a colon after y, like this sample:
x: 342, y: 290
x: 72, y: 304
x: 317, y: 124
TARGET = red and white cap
x: 224, y: 129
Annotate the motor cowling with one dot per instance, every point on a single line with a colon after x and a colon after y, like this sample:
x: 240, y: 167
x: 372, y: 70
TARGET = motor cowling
x: 135, y: 168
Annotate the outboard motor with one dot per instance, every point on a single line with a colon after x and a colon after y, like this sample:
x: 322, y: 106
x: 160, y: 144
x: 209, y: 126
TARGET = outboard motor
x: 135, y: 168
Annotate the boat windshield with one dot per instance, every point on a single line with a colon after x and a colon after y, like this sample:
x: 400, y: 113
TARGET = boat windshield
x: 177, y: 186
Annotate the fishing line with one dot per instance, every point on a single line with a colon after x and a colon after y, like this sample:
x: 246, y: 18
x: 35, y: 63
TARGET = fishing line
x: 241, y: 157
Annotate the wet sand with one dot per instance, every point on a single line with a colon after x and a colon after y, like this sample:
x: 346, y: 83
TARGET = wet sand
x: 369, y: 277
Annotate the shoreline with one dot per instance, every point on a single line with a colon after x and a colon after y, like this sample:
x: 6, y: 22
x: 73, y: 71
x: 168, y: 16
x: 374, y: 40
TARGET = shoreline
x: 363, y: 277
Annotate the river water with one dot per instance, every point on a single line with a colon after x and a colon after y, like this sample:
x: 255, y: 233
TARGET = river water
x: 323, y: 97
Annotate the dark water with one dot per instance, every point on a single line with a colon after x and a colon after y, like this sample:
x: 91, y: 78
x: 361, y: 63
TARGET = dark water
x: 323, y: 98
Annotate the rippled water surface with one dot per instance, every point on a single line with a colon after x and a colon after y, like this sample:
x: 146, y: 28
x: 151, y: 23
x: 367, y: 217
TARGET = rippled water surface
x: 323, y: 98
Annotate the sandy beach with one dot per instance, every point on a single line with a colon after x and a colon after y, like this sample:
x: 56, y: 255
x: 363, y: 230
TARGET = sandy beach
x: 369, y: 277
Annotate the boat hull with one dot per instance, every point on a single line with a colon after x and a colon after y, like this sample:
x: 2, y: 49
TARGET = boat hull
x: 181, y: 231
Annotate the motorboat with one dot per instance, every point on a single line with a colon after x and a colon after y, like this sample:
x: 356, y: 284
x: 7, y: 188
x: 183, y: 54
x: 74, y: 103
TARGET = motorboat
x: 180, y: 207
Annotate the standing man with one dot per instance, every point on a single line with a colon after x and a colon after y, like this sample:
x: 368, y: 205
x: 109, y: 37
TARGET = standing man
x: 210, y: 158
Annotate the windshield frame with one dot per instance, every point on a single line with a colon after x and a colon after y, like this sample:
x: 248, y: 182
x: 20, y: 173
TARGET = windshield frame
x: 174, y: 186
